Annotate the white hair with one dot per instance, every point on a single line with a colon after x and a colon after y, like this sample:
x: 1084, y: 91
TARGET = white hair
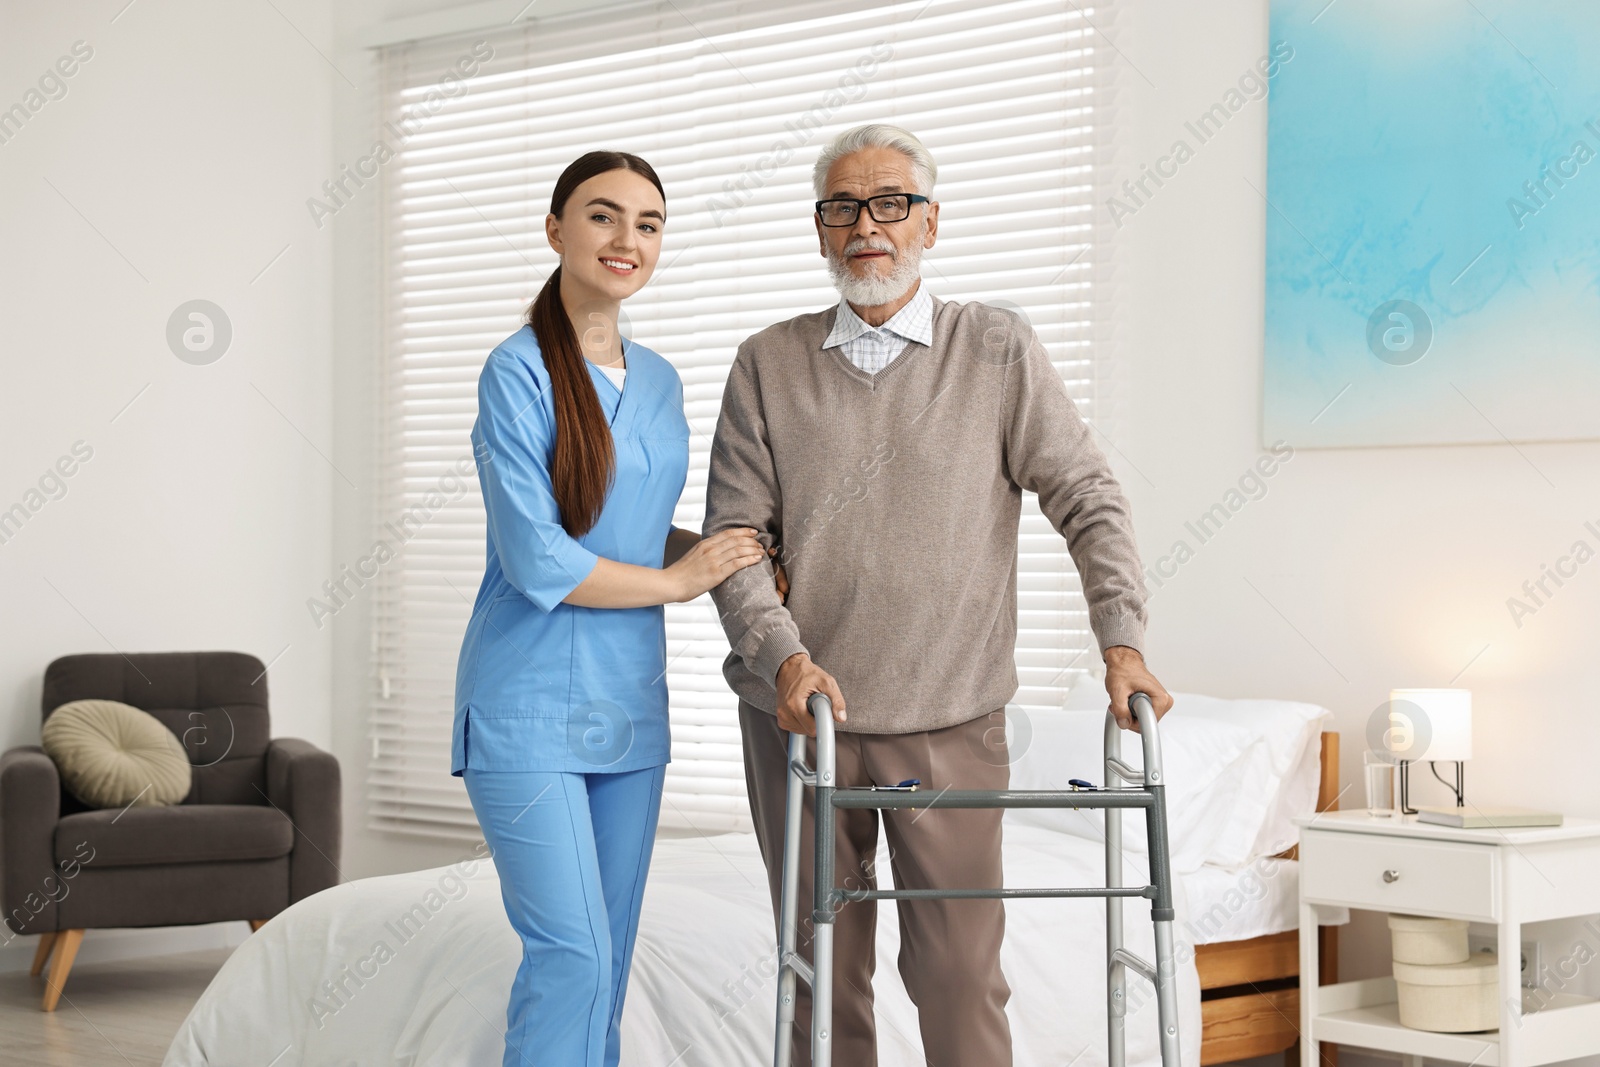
x: 876, y: 135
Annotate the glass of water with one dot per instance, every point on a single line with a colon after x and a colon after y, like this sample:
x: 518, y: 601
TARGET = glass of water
x: 1380, y: 770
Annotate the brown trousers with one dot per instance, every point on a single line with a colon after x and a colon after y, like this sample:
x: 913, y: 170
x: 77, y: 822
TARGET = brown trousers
x: 949, y: 949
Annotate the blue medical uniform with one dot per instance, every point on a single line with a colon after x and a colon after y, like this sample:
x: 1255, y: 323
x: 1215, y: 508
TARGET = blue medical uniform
x: 560, y: 725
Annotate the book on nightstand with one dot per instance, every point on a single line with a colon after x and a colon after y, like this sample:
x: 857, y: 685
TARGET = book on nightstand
x: 1488, y: 818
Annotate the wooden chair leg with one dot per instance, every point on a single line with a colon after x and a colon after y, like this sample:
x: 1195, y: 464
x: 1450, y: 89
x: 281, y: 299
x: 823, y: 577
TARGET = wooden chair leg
x: 47, y: 940
x: 256, y: 924
x: 67, y: 942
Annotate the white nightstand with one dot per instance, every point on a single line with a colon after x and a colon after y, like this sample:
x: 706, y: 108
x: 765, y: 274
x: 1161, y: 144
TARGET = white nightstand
x: 1507, y: 877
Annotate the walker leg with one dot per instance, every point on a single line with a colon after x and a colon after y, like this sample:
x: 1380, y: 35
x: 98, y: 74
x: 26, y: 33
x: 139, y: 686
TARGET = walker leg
x: 1166, y: 994
x: 822, y: 942
x: 1162, y: 915
x: 1116, y: 971
x: 783, y: 1047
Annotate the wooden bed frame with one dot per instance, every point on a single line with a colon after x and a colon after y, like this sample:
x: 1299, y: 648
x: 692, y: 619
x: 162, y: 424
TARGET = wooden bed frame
x: 1250, y: 990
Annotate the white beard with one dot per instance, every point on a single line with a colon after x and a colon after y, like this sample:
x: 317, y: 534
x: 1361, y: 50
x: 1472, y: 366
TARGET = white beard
x: 875, y: 291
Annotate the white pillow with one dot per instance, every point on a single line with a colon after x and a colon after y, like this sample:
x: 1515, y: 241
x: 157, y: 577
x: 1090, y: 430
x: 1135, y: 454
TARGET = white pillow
x: 1237, y: 772
x: 1281, y: 775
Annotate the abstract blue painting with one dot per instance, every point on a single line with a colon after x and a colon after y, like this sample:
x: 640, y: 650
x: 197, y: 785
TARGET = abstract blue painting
x: 1433, y: 223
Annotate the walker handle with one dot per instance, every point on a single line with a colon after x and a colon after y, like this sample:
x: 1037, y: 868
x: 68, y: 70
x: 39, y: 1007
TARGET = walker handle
x: 821, y: 709
x: 1144, y: 711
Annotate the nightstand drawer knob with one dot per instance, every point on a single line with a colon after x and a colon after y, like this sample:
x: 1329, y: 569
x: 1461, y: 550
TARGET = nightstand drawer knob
x: 1391, y: 876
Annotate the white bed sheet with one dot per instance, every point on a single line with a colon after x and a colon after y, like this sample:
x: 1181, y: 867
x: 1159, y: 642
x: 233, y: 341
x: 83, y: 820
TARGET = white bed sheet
x: 1252, y: 901
x: 702, y: 986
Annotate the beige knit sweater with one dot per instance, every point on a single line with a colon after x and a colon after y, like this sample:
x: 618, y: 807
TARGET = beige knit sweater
x: 895, y: 500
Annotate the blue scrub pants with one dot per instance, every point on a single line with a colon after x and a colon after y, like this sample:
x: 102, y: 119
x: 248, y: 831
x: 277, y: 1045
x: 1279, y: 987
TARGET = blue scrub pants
x: 572, y: 851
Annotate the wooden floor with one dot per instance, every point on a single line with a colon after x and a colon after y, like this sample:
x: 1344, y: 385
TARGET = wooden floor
x: 120, y: 1014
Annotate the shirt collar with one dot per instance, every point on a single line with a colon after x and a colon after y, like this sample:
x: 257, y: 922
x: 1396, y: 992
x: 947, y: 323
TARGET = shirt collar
x: 914, y: 322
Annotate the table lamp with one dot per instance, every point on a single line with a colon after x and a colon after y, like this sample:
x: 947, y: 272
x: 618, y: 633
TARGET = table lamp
x: 1430, y: 724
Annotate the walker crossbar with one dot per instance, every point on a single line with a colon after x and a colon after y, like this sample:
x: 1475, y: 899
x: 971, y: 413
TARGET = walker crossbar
x: 828, y: 898
x: 1004, y: 894
x: 996, y: 798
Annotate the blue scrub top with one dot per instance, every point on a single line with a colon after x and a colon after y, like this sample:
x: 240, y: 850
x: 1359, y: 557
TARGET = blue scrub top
x: 542, y: 685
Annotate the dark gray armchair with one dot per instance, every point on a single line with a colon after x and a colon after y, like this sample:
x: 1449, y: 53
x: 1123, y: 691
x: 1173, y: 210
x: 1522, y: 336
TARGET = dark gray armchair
x: 259, y: 830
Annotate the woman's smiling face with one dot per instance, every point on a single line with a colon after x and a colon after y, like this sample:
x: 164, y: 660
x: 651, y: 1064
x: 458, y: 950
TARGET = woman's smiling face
x: 609, y: 234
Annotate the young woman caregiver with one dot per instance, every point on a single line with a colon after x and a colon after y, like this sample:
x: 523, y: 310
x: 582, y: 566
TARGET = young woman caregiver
x: 561, y: 700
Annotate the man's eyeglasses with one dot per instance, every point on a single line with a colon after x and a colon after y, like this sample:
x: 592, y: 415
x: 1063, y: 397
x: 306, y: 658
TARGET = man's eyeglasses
x: 890, y: 207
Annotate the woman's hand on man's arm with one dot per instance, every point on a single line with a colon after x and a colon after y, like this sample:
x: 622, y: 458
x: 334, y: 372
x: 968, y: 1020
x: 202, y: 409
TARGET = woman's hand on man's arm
x: 702, y: 566
x: 680, y: 541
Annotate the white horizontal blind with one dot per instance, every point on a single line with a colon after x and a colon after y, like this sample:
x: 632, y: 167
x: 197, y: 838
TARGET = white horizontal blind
x: 731, y: 103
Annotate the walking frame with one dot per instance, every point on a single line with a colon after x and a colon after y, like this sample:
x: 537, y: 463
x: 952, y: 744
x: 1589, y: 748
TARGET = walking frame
x: 1147, y: 791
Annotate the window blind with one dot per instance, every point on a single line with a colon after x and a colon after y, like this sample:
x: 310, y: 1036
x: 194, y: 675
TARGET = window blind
x: 730, y: 102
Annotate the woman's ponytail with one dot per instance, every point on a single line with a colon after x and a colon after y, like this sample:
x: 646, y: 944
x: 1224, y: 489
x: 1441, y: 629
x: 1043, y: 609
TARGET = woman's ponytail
x: 584, y: 458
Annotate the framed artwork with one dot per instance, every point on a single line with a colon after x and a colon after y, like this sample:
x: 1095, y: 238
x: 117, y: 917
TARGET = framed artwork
x: 1433, y: 223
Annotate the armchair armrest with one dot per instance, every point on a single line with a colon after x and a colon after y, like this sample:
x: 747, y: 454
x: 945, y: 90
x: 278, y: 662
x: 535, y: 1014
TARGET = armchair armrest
x: 30, y: 807
x: 303, y: 782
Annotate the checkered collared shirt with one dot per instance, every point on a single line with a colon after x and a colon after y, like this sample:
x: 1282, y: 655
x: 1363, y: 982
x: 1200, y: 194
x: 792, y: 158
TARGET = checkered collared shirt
x: 872, y: 348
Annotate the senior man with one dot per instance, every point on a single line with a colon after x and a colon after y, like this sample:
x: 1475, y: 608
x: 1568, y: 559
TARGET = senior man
x: 883, y: 446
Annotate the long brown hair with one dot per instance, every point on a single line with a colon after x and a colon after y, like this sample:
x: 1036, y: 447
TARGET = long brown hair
x: 585, y: 459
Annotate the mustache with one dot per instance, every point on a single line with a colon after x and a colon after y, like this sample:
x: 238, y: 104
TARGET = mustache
x: 862, y: 244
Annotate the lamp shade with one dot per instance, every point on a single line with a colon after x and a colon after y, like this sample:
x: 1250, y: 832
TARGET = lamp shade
x: 1430, y: 724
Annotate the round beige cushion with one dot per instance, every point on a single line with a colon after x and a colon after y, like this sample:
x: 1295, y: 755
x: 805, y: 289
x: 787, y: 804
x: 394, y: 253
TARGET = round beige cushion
x: 111, y: 755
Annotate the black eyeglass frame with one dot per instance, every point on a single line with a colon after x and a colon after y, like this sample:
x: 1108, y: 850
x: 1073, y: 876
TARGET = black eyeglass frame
x: 911, y: 199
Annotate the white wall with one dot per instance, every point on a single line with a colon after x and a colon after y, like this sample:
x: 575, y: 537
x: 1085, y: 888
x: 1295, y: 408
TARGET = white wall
x: 356, y: 236
x: 175, y: 167
x: 1360, y: 569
